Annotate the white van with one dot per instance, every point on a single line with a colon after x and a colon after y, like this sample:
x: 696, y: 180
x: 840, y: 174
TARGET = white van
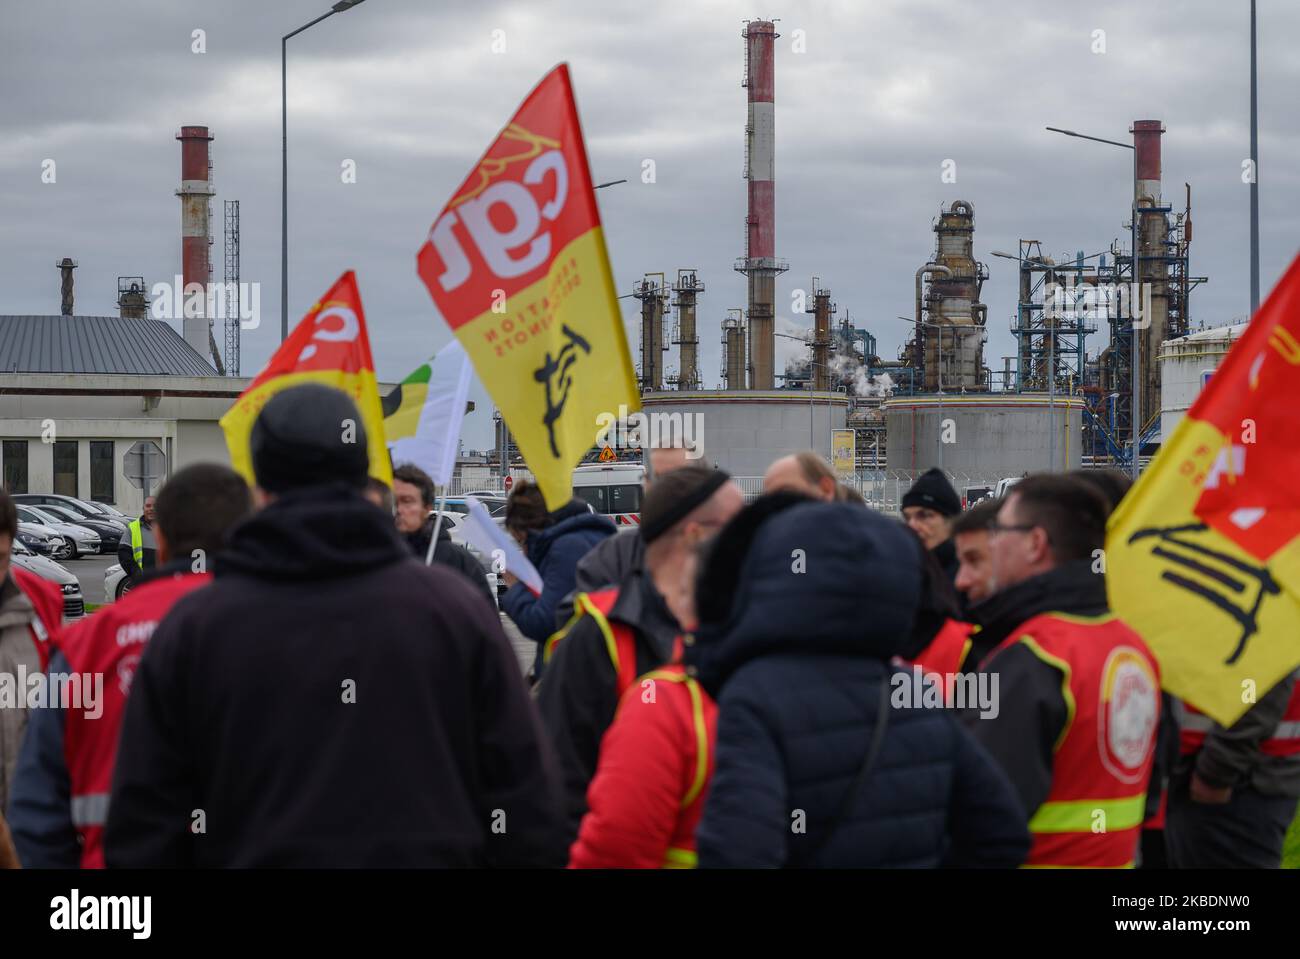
x: 614, y: 490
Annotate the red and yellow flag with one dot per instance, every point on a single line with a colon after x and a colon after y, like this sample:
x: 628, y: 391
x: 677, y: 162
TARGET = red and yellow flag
x: 1203, y: 556
x: 328, y: 346
x: 516, y: 266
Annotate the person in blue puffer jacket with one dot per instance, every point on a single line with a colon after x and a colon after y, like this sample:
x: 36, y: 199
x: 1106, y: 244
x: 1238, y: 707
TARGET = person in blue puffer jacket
x: 802, y: 607
x: 554, y: 542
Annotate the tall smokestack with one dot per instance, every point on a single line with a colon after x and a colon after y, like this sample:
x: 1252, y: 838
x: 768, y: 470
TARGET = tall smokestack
x: 759, y: 263
x: 65, y: 268
x: 1152, y: 270
x: 196, y: 263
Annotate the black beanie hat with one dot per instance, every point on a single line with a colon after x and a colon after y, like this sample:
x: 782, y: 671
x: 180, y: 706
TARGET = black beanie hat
x: 933, y: 491
x: 309, y: 435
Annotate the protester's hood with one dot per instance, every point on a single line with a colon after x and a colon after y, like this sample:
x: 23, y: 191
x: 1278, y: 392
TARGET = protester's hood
x: 572, y: 517
x: 817, y: 578
x: 315, y: 532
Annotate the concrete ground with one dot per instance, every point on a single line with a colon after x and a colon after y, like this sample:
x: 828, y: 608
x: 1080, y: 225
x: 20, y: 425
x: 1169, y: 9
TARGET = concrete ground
x: 89, y: 571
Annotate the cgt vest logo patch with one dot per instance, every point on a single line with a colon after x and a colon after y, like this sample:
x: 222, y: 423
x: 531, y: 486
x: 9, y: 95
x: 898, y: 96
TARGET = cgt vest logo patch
x: 1130, y: 710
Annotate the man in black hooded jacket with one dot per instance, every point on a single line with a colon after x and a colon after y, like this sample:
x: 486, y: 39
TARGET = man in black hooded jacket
x: 413, y: 496
x: 328, y: 700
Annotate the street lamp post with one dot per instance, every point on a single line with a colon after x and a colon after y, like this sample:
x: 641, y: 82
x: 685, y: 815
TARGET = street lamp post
x: 1135, y: 403
x: 339, y: 7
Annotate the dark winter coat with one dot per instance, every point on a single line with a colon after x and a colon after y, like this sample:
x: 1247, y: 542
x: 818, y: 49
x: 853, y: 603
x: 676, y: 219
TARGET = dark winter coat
x: 606, y: 565
x: 555, y: 552
x: 450, y: 554
x: 330, y: 701
x: 823, y: 597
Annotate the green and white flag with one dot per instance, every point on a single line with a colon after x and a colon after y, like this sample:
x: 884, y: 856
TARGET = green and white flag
x: 424, y: 413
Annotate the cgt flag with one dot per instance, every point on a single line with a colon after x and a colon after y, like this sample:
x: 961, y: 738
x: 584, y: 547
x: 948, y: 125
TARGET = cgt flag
x: 1203, y: 556
x: 328, y: 346
x: 516, y: 266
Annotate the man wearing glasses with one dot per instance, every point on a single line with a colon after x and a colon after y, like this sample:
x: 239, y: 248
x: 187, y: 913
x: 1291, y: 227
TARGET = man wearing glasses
x: 1079, y: 692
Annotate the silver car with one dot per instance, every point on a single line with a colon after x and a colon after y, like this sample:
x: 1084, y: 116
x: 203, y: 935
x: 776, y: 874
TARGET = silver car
x: 79, y: 538
x: 74, y: 604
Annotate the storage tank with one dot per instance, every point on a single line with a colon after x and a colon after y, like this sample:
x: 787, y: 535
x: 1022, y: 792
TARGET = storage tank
x: 996, y: 435
x: 744, y: 432
x: 1186, y: 364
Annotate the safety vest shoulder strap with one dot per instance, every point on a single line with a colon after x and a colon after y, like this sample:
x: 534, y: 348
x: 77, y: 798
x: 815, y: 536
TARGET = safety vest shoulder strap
x: 677, y: 674
x: 620, y: 641
x: 137, y: 542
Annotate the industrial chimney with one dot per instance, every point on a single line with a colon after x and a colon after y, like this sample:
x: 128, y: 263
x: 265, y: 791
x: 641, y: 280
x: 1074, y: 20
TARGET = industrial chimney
x: 759, y: 264
x: 1152, y: 269
x: 65, y: 267
x: 196, y: 257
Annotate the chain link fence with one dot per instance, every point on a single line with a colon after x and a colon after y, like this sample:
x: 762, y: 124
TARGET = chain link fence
x: 884, y: 489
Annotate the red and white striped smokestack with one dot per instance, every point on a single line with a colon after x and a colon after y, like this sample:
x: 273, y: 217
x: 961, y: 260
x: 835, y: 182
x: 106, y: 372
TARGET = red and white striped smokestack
x: 759, y: 263
x: 760, y: 36
x: 196, y: 266
x: 1146, y: 143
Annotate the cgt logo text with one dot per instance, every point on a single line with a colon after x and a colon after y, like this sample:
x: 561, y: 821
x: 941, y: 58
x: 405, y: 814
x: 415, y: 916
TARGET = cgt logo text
x: 102, y: 912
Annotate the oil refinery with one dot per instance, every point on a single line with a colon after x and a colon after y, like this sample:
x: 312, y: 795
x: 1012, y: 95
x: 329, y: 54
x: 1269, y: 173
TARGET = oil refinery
x: 1058, y: 402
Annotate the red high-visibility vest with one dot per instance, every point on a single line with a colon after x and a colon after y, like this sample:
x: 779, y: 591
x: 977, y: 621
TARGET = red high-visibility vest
x: 680, y: 705
x: 1283, y: 741
x: 47, y: 602
x: 620, y: 640
x: 1102, y: 759
x: 110, y: 644
x: 946, y: 655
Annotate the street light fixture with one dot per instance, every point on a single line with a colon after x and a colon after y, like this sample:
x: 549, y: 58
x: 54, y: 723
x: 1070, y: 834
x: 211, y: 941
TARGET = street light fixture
x: 1135, y: 403
x: 339, y: 7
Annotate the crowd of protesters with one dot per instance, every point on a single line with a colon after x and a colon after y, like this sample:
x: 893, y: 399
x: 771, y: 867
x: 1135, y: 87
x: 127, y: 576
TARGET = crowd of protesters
x: 312, y: 673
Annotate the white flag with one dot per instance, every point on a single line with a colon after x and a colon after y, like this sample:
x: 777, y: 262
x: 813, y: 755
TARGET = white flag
x: 438, y: 391
x: 491, y: 540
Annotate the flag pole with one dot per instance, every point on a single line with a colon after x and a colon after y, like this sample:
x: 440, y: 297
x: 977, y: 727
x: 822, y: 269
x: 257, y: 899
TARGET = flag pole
x: 437, y: 525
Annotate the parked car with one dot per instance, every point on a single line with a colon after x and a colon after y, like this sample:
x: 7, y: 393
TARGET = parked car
x: 116, y: 585
x: 495, y: 505
x: 80, y: 507
x: 109, y: 532
x: 112, y: 511
x: 80, y: 539
x: 40, y: 540
x: 74, y: 604
x: 455, y: 523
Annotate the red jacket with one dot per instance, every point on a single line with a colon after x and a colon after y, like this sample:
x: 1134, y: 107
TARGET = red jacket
x: 47, y: 599
x: 648, y: 793
x: 109, y: 643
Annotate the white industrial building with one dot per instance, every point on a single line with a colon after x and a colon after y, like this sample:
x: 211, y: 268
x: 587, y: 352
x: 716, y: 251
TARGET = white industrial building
x: 76, y: 392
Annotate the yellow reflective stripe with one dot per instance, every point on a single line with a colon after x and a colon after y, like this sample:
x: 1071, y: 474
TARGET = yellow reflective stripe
x: 610, y: 646
x: 675, y: 858
x: 137, y: 542
x: 1076, y: 815
x: 549, y: 649
x: 1131, y: 864
x: 965, y: 651
x: 701, y: 730
x: 701, y: 743
x: 1098, y: 620
x: 1032, y: 645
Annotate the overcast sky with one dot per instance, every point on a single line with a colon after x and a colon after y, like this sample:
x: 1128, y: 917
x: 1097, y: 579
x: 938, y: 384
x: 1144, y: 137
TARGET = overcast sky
x: 413, y: 92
